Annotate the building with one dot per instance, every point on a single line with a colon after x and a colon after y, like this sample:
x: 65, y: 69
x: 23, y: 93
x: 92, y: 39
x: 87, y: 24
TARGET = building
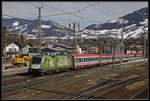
x: 25, y: 49
x: 78, y: 49
x: 134, y: 49
x: 50, y: 51
x: 12, y: 48
x: 64, y: 48
x: 15, y: 38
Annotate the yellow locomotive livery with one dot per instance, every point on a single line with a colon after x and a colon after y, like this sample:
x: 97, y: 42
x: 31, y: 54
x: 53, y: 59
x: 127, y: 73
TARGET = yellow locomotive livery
x: 21, y: 59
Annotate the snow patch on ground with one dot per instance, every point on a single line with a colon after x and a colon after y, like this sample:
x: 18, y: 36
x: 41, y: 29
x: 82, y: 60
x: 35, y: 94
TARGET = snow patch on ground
x: 112, y: 21
x: 16, y: 23
x: 29, y: 36
x: 144, y: 22
x: 45, y: 26
x: 23, y: 29
x: 34, y: 30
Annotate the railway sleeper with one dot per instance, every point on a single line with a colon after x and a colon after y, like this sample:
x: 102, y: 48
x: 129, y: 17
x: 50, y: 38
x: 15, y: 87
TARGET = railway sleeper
x: 112, y: 85
x: 11, y: 93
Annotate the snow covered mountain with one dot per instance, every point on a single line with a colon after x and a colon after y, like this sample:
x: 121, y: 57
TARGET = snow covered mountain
x: 49, y: 28
x: 135, y: 24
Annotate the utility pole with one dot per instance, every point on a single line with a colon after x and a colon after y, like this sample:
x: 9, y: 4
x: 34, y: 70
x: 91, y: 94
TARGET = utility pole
x: 113, y: 54
x: 79, y: 37
x: 114, y: 45
x: 5, y: 38
x: 144, y: 46
x: 122, y: 45
x: 69, y: 32
x: 78, y: 26
x: 74, y: 36
x: 39, y: 41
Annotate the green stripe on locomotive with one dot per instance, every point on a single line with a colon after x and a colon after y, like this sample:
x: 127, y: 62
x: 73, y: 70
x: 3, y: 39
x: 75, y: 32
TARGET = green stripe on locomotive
x: 56, y: 62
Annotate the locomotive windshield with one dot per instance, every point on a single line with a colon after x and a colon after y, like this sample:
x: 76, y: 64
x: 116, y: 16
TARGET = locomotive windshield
x: 36, y: 60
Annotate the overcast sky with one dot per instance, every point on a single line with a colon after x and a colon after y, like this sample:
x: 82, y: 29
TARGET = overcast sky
x: 90, y: 12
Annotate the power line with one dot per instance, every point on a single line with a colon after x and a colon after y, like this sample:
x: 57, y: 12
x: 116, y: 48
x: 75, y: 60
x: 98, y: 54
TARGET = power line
x: 36, y: 17
x: 107, y: 9
x: 86, y: 7
x: 12, y: 16
x: 72, y: 13
x: 51, y: 15
x: 93, y: 20
x: 97, y: 9
x: 62, y: 10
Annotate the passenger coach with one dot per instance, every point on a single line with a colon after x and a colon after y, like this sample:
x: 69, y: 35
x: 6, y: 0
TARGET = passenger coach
x: 52, y: 63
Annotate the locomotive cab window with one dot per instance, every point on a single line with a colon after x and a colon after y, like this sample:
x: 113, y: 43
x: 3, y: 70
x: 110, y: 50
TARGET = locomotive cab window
x: 36, y: 60
x: 76, y: 60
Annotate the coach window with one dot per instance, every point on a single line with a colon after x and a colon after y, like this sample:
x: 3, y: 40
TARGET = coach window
x: 86, y: 59
x: 82, y: 59
x: 76, y: 60
x: 79, y: 59
x: 90, y: 59
x: 93, y: 59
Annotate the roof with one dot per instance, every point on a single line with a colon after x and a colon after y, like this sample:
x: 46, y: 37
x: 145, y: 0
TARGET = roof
x: 49, y: 50
x: 87, y: 55
x: 15, y: 43
x: 62, y: 46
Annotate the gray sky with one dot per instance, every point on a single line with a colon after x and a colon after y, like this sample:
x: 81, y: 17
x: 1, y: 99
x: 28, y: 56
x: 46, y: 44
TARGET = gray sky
x: 92, y: 12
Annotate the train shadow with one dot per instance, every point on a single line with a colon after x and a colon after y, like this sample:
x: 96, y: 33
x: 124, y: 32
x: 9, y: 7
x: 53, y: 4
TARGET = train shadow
x: 24, y: 74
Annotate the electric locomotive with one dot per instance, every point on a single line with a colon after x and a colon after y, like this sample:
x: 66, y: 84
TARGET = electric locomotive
x: 46, y: 64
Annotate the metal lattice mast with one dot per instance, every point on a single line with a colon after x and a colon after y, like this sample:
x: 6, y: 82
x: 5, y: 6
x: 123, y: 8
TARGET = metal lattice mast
x: 122, y: 45
x: 39, y: 41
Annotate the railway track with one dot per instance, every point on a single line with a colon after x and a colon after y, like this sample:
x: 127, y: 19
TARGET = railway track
x: 104, y: 87
x: 85, y: 93
x: 139, y: 93
x: 26, y: 76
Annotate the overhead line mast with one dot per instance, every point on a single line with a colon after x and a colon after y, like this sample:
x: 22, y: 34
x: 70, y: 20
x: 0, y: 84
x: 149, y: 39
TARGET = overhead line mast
x: 39, y: 35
